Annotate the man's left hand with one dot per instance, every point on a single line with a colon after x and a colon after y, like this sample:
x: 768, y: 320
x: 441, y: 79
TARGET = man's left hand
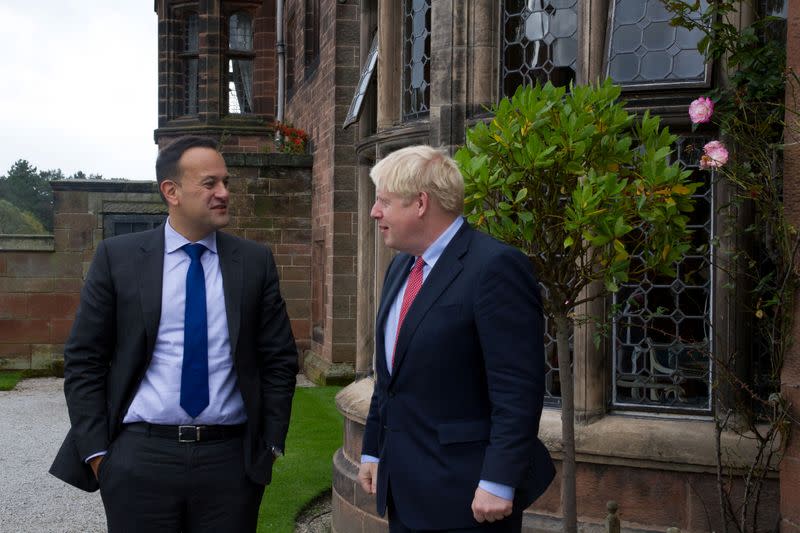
x: 487, y: 507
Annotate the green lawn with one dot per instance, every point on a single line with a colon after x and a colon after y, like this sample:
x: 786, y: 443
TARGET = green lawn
x: 10, y: 378
x: 315, y: 432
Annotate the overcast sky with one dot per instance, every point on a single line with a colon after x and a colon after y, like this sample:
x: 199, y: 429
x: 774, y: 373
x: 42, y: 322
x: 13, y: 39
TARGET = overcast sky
x: 78, y: 89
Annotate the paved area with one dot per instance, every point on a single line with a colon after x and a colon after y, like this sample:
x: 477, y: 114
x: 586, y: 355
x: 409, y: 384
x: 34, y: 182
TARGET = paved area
x: 33, y: 422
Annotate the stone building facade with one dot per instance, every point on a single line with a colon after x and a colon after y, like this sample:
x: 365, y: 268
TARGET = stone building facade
x: 438, y: 65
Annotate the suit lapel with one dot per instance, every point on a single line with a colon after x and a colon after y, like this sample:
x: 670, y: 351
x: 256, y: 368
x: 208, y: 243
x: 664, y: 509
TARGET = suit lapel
x: 446, y: 269
x: 390, y: 289
x: 151, y: 274
x: 231, y: 267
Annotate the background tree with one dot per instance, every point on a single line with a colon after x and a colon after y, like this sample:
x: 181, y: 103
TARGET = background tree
x: 14, y: 221
x: 28, y: 191
x: 580, y: 185
x: 25, y: 188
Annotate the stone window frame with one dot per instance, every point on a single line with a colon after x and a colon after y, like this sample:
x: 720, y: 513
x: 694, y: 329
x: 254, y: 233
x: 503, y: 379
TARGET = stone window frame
x: 150, y: 221
x: 178, y: 58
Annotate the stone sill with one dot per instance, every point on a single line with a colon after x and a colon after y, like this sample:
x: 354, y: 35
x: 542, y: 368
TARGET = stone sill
x: 685, y: 445
x: 27, y: 243
x: 114, y: 186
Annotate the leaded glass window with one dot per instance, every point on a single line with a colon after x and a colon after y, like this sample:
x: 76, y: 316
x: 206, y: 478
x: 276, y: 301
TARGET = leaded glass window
x: 191, y: 39
x: 540, y: 43
x: 646, y: 51
x: 416, y: 58
x: 662, y: 333
x: 552, y: 376
x: 240, y: 64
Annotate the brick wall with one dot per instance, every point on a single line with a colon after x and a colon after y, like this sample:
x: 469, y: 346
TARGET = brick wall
x: 41, y: 278
x: 40, y: 288
x: 318, y: 103
x: 271, y: 203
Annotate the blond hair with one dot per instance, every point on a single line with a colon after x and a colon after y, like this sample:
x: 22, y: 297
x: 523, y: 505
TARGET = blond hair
x: 421, y: 168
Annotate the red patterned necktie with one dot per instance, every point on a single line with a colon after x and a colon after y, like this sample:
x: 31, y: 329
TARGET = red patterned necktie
x: 412, y: 288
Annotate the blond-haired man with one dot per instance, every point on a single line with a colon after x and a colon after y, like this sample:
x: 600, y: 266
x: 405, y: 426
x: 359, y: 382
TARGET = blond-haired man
x: 451, y: 437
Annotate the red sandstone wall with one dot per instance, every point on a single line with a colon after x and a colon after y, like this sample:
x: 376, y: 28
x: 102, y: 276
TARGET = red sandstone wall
x: 318, y: 103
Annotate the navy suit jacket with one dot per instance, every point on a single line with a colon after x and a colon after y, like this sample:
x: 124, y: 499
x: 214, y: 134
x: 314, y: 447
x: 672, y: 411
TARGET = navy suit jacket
x: 465, y: 398
x: 115, y: 329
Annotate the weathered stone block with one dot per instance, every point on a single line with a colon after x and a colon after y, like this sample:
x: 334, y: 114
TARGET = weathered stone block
x: 31, y: 330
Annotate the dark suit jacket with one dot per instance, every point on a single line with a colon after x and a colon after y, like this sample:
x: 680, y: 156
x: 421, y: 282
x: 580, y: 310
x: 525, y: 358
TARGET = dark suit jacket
x: 465, y: 398
x: 115, y: 329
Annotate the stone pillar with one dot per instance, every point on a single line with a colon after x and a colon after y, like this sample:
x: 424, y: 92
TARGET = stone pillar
x: 390, y: 37
x: 790, y: 375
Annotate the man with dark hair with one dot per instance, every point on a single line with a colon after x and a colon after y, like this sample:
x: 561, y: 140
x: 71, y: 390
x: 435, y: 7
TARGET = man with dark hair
x: 180, y: 367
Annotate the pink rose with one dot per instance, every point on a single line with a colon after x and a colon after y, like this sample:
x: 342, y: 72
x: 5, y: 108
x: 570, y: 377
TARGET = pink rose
x: 715, y: 155
x: 700, y: 110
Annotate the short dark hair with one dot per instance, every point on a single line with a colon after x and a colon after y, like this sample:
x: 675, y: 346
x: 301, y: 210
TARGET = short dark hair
x: 168, y: 157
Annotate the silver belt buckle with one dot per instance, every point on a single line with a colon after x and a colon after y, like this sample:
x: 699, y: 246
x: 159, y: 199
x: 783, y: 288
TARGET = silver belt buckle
x: 188, y: 433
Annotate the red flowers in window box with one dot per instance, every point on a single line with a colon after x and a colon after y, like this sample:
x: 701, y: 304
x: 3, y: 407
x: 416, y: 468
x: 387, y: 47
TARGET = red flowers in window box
x: 294, y: 140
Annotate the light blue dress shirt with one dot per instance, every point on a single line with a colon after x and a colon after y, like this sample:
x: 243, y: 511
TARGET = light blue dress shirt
x: 430, y: 256
x: 158, y: 399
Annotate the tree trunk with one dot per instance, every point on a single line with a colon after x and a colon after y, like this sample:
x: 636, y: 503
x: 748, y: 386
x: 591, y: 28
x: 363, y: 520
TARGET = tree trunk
x: 568, y: 493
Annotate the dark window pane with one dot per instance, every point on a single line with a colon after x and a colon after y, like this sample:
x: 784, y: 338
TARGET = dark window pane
x: 192, y: 34
x: 241, y: 32
x: 191, y: 83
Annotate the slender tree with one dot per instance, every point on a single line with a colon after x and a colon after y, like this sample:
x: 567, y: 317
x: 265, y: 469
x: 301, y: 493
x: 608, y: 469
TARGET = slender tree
x: 580, y: 185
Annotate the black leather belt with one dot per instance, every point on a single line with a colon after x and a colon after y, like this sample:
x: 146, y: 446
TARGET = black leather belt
x: 187, y: 433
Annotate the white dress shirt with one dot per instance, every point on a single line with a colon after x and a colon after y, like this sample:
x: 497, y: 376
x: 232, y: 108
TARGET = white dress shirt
x: 158, y: 399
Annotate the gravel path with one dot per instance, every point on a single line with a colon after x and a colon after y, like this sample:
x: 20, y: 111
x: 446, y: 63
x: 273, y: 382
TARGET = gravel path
x: 33, y: 422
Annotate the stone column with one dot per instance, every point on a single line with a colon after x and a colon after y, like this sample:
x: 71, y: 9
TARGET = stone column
x: 790, y: 375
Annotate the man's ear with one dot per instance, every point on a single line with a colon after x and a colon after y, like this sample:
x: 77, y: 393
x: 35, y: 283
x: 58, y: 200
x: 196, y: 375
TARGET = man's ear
x: 423, y: 202
x: 169, y: 190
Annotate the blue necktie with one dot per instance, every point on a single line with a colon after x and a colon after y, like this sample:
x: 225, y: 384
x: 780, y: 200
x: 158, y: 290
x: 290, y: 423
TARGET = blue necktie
x: 194, y: 375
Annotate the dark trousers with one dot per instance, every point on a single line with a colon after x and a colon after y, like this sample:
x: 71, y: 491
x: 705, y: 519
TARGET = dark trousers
x: 511, y: 524
x: 156, y: 484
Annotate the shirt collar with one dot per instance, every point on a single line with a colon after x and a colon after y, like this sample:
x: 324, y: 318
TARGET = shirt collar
x: 435, y: 250
x: 175, y: 241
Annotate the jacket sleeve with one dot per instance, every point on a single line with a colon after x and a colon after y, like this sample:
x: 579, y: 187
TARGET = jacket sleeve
x: 370, y: 444
x: 277, y: 358
x: 509, y: 320
x: 87, y: 357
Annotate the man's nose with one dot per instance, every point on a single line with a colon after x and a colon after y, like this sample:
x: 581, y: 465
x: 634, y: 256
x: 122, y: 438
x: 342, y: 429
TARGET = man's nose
x: 374, y: 213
